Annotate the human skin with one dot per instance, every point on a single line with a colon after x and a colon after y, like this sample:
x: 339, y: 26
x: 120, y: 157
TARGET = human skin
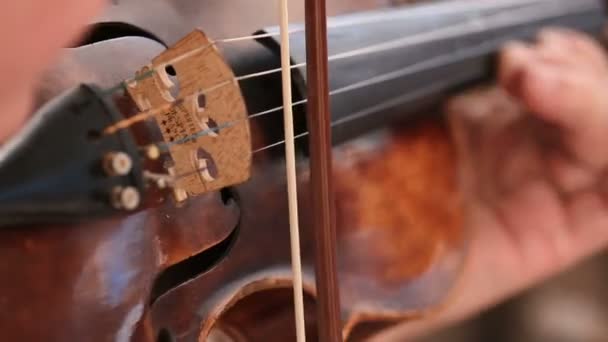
x: 533, y: 159
x: 533, y: 179
x: 32, y: 33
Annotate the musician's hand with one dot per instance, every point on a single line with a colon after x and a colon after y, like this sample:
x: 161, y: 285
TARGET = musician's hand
x: 534, y: 169
x: 31, y: 36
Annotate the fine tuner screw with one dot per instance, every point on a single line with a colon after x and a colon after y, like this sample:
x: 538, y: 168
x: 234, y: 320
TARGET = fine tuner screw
x: 125, y: 198
x: 117, y: 164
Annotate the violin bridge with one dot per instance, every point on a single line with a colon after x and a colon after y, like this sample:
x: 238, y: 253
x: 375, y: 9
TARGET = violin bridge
x: 199, y: 108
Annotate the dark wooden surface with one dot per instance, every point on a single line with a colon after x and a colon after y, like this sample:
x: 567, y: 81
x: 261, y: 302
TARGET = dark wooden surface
x: 400, y: 238
x: 322, y: 192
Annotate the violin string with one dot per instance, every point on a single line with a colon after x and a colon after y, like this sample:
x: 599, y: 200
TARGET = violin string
x: 291, y: 174
x: 380, y: 17
x: 385, y: 15
x: 396, y: 101
x: 393, y: 102
x: 470, y: 26
x: 408, y: 70
x: 426, y: 65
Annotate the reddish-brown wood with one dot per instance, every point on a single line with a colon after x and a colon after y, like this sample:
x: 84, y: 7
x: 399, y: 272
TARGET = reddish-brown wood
x: 399, y: 251
x: 322, y: 191
x: 400, y: 239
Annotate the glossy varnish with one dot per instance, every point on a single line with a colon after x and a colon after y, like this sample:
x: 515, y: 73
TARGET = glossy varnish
x: 322, y: 192
x: 400, y: 242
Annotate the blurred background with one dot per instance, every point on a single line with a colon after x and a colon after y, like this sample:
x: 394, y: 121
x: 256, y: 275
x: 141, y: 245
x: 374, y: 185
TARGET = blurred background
x: 572, y: 307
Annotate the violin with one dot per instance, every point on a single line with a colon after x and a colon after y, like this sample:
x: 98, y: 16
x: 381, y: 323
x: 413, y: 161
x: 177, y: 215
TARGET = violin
x: 147, y: 198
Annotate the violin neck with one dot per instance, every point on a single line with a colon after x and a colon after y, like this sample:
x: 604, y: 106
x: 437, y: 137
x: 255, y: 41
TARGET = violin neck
x: 386, y: 65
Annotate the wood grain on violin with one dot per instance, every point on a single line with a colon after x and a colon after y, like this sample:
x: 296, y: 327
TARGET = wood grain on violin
x: 217, y: 266
x: 322, y: 198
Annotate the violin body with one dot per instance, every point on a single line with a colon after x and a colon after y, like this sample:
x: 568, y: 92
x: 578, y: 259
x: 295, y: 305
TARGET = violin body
x: 219, y: 266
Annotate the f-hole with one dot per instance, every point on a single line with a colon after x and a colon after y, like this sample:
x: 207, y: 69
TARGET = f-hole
x: 198, y: 264
x: 205, y: 164
x: 242, y: 321
x: 172, y: 74
x: 164, y: 336
x: 210, y: 125
x: 201, y: 102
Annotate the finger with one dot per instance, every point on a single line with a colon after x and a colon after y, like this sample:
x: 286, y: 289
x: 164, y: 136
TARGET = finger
x: 568, y: 47
x: 556, y: 92
x: 512, y: 59
x: 466, y: 114
x: 515, y: 57
x: 573, y: 101
x: 560, y: 47
x: 481, y: 121
x: 563, y: 96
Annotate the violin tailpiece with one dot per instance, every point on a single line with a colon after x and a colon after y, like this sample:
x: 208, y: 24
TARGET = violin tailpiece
x: 198, y: 106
